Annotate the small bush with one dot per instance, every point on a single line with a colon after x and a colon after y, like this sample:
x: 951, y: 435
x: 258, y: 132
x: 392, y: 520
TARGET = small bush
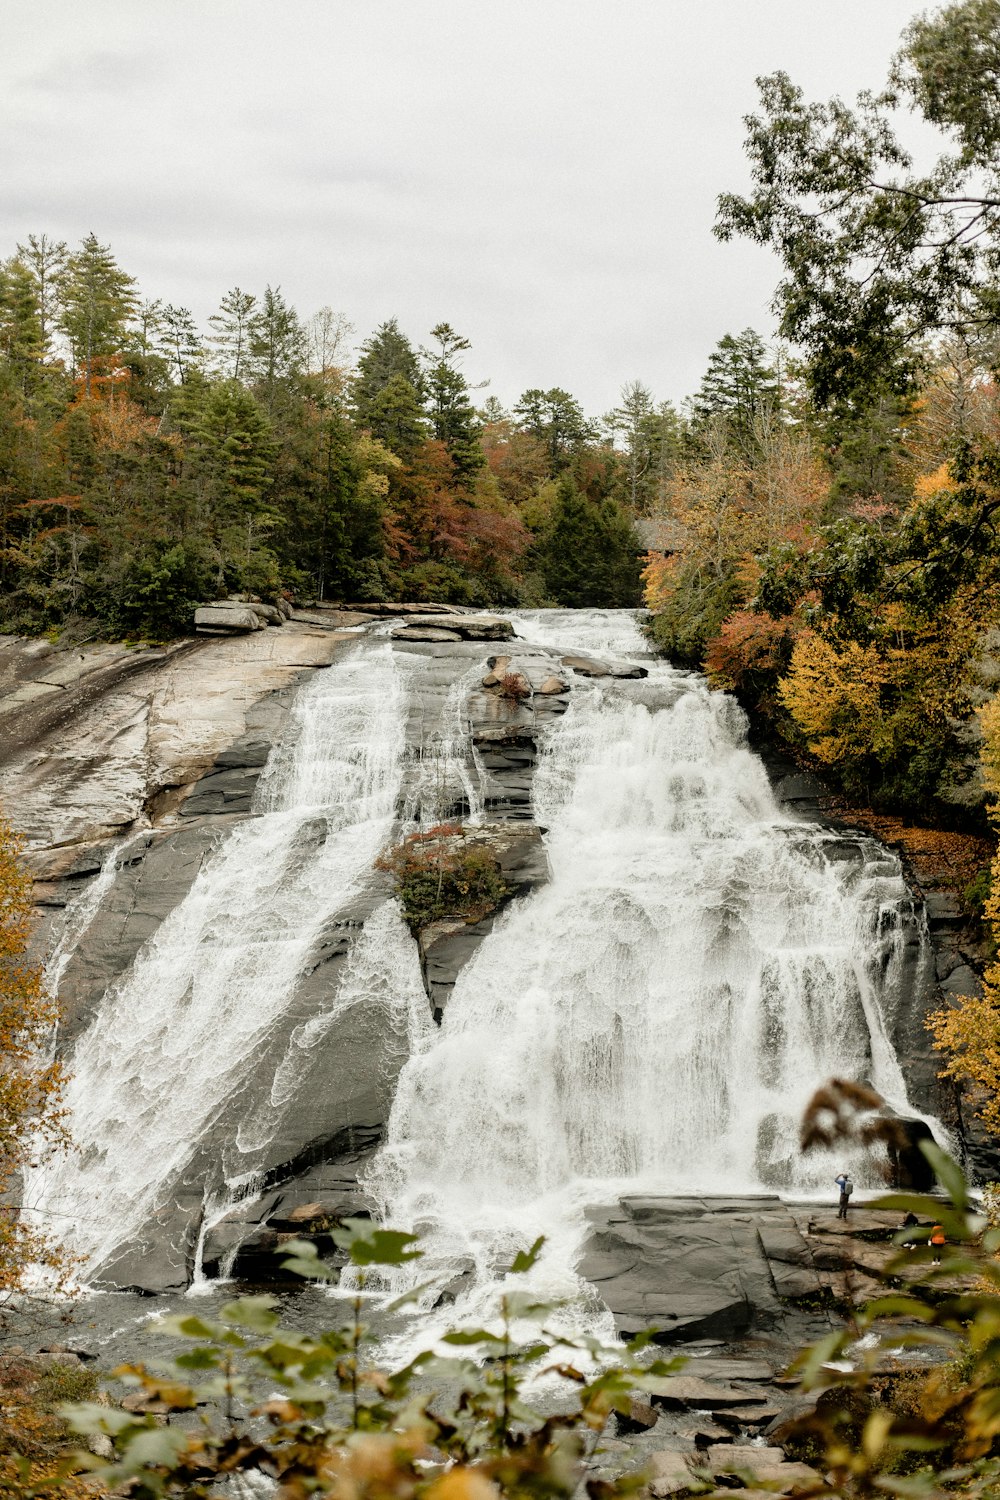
x: 437, y: 875
x: 513, y: 687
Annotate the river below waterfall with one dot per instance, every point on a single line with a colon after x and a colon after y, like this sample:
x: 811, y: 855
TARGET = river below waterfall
x: 649, y: 1020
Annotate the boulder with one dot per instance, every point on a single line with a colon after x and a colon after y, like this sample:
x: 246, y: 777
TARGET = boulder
x: 684, y: 1268
x: 586, y: 666
x: 424, y: 633
x: 629, y: 670
x: 550, y: 686
x: 464, y: 627
x: 226, y: 619
x: 670, y: 1473
x: 268, y: 614
x: 498, y: 666
x: 699, y: 1395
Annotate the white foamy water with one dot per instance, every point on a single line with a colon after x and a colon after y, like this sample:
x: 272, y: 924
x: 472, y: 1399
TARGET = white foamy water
x: 174, y: 1038
x: 656, y: 1017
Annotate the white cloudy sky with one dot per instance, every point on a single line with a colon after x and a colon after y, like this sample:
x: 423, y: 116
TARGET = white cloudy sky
x: 540, y: 173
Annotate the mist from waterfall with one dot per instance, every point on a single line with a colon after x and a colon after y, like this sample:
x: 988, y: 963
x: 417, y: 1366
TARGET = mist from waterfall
x: 174, y: 1037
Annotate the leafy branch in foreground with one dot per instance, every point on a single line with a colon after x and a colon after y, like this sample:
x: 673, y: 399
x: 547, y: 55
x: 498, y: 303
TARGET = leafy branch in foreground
x: 316, y: 1414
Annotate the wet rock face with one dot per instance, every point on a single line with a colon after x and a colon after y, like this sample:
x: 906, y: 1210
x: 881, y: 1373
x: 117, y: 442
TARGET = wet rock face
x: 693, y: 1268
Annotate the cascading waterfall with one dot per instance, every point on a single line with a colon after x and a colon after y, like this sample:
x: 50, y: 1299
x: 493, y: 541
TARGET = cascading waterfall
x: 173, y: 1039
x: 657, y: 1015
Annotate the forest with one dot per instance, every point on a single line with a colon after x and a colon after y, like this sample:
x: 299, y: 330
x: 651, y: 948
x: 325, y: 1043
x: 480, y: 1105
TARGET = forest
x: 814, y: 527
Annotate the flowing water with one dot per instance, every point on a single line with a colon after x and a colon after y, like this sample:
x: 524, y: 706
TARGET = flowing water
x: 656, y: 1017
x: 653, y: 1018
x: 175, y: 1036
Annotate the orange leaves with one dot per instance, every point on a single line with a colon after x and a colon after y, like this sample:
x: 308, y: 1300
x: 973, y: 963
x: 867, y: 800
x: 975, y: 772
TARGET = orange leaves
x: 30, y: 1088
x: 659, y: 577
x: 749, y: 648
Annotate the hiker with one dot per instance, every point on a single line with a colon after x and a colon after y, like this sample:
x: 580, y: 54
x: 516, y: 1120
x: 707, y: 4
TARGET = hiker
x: 910, y: 1222
x: 937, y: 1240
x: 846, y: 1187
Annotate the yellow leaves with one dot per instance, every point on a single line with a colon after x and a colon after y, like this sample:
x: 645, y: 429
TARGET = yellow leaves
x: 462, y: 1483
x: 834, y: 695
x: 937, y: 483
x: 658, y: 580
x: 879, y: 699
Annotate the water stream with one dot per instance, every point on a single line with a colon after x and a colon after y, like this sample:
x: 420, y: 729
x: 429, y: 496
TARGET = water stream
x: 653, y: 1018
x: 174, y: 1038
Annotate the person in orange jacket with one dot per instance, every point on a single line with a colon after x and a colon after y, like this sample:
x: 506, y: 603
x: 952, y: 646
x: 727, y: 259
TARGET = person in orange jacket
x: 937, y: 1240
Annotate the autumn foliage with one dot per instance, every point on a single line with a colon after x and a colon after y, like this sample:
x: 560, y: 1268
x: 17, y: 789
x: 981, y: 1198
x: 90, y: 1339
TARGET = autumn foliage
x: 31, y: 1121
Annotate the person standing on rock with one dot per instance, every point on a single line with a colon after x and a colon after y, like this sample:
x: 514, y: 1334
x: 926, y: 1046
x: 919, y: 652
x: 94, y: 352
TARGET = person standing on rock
x: 846, y: 1187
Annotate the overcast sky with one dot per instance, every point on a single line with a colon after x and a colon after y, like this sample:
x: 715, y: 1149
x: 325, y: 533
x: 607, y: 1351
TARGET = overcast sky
x: 540, y: 173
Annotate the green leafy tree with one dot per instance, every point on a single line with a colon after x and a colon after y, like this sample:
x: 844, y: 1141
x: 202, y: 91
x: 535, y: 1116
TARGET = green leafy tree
x: 877, y: 254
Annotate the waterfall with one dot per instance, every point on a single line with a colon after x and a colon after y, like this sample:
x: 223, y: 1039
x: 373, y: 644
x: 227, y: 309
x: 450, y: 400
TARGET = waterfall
x: 175, y: 1037
x: 657, y: 1015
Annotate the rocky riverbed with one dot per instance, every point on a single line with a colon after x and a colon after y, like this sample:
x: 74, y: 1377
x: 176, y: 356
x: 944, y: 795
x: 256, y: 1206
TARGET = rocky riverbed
x: 127, y: 770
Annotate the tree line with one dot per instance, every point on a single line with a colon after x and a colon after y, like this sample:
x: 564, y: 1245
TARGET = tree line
x: 147, y: 465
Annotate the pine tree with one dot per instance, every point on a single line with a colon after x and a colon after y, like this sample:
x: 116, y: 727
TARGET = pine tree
x: 235, y: 327
x: 385, y: 356
x: 556, y: 419
x: 635, y: 418
x: 46, y: 260
x: 453, y: 417
x: 179, y: 340
x: 277, y: 343
x: 740, y: 386
x: 588, y: 552
x: 97, y: 301
x: 396, y: 417
x: 22, y: 343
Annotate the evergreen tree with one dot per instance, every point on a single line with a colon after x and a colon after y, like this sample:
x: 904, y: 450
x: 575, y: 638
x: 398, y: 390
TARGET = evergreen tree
x: 97, y: 301
x: 179, y: 341
x: 588, y: 552
x: 396, y: 417
x: 385, y: 356
x: 22, y: 341
x: 235, y: 327
x: 740, y: 386
x: 46, y: 260
x: 277, y: 343
x: 635, y: 418
x: 556, y: 419
x: 453, y: 416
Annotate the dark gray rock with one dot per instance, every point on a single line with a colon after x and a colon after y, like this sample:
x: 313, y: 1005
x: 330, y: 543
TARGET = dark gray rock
x: 587, y: 666
x: 687, y: 1268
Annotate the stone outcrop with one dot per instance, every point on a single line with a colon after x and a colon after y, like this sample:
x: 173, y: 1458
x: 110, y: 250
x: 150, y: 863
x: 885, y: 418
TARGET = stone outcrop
x: 446, y: 946
x: 226, y: 618
x: 459, y: 627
